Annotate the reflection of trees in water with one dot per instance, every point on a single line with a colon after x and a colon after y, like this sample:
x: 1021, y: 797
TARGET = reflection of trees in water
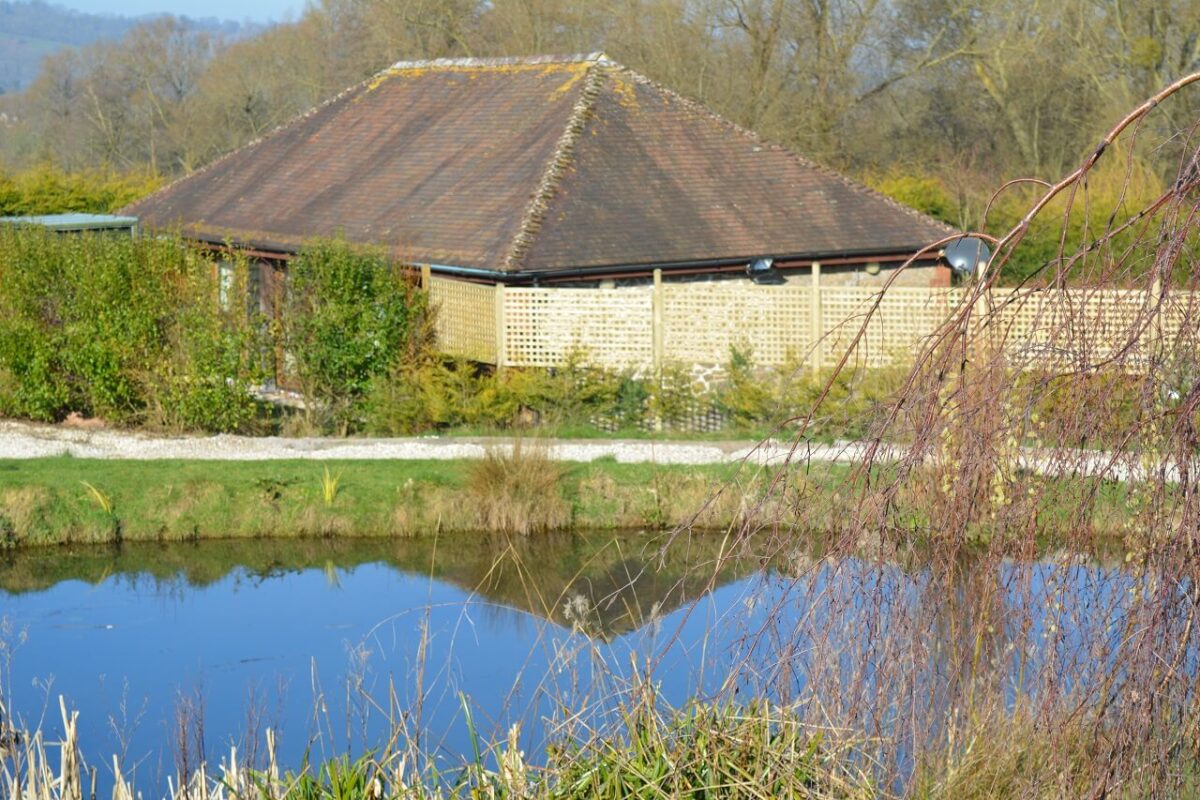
x: 905, y: 656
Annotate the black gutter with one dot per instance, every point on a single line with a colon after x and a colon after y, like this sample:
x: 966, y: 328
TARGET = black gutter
x: 534, y: 276
x: 246, y: 244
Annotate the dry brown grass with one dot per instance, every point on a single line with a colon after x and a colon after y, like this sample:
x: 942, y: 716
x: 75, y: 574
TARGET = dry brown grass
x: 321, y: 523
x: 518, y: 491
x: 25, y: 509
x: 182, y: 508
x: 1014, y: 757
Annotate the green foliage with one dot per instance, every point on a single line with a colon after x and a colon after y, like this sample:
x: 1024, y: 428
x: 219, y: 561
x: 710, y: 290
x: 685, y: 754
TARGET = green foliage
x: 1117, y: 189
x: 350, y: 316
x: 1114, y: 193
x: 44, y: 190
x: 926, y: 193
x: 335, y: 779
x: 119, y: 328
x: 754, y: 397
x: 435, y: 393
x: 707, y: 751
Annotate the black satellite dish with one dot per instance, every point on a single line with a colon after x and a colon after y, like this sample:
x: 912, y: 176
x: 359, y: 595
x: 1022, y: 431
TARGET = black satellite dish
x: 966, y: 256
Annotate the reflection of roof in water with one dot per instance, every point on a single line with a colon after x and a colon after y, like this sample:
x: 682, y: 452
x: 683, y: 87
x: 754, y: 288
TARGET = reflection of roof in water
x: 603, y: 584
x: 615, y: 593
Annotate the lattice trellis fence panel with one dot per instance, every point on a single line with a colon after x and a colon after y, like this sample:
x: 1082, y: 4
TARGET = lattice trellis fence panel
x: 700, y: 323
x: 1077, y: 327
x: 897, y: 329
x: 703, y: 322
x: 465, y: 315
x: 1179, y: 337
x: 605, y: 327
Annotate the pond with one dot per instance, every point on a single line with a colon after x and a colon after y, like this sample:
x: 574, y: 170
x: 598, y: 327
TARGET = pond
x: 324, y: 641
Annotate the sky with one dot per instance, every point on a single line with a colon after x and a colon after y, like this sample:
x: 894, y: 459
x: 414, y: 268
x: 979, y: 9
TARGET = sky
x: 238, y: 10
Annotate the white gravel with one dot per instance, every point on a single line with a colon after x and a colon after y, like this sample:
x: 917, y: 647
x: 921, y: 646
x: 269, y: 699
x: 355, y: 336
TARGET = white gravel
x: 23, y: 440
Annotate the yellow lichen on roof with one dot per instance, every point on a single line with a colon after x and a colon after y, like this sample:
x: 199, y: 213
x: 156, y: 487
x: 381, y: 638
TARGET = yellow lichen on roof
x: 625, y: 91
x: 377, y: 80
x: 577, y: 71
x: 476, y: 69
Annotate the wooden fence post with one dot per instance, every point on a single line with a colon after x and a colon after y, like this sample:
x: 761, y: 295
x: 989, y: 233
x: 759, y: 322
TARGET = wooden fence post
x: 1156, y: 295
x: 816, y: 346
x: 656, y: 316
x: 426, y: 277
x: 500, y: 327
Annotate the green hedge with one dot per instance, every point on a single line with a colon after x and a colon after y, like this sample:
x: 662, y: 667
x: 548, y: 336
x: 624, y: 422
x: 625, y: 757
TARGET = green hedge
x: 119, y: 328
x: 438, y: 394
x: 49, y: 191
x: 349, y: 318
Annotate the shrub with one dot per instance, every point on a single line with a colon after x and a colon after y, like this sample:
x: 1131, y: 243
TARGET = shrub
x: 752, y: 396
x: 433, y: 393
x: 926, y: 193
x: 44, y: 190
x: 1120, y: 185
x: 421, y: 395
x: 518, y: 492
x: 120, y: 328
x: 756, y: 397
x: 350, y: 316
x: 674, y: 397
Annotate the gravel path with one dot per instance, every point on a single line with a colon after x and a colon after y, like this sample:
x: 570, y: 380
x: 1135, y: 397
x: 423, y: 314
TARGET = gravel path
x: 24, y: 440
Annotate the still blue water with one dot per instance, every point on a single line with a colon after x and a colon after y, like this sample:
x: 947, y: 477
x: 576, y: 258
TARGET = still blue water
x: 314, y: 640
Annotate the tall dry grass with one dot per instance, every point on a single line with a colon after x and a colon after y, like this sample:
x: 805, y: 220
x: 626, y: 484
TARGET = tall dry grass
x: 517, y: 490
x: 981, y: 670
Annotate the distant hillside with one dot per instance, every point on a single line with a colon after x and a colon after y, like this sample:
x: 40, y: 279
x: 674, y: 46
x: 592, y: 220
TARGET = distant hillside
x: 31, y: 30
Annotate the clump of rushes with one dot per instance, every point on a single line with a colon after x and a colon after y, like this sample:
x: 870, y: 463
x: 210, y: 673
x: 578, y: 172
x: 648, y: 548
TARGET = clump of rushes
x: 751, y: 751
x: 104, y: 503
x: 102, y: 500
x: 706, y: 752
x: 330, y: 486
x: 518, y: 490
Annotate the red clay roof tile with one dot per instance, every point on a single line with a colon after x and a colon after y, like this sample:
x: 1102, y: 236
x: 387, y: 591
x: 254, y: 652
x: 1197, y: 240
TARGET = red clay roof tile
x: 530, y: 165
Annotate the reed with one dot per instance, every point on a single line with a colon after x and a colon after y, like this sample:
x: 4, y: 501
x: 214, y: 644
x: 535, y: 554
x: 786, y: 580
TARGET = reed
x: 755, y: 751
x: 330, y: 485
x: 518, y: 490
x: 103, y: 501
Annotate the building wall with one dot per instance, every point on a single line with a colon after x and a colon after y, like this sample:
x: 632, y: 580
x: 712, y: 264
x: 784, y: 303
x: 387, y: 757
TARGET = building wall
x: 918, y: 275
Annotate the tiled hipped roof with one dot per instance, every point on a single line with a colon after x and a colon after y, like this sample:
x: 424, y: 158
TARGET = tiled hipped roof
x: 530, y: 165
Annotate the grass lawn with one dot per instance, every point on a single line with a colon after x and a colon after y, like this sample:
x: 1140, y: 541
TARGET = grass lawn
x: 69, y: 500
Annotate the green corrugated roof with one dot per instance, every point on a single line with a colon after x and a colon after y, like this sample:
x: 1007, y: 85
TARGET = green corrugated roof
x: 74, y: 222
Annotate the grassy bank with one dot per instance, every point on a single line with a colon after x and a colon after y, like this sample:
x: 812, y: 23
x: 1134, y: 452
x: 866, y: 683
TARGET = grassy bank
x: 67, y: 500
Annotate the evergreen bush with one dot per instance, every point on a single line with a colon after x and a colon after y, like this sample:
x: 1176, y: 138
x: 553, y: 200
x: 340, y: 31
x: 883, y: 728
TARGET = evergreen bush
x: 349, y: 317
x: 119, y: 328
